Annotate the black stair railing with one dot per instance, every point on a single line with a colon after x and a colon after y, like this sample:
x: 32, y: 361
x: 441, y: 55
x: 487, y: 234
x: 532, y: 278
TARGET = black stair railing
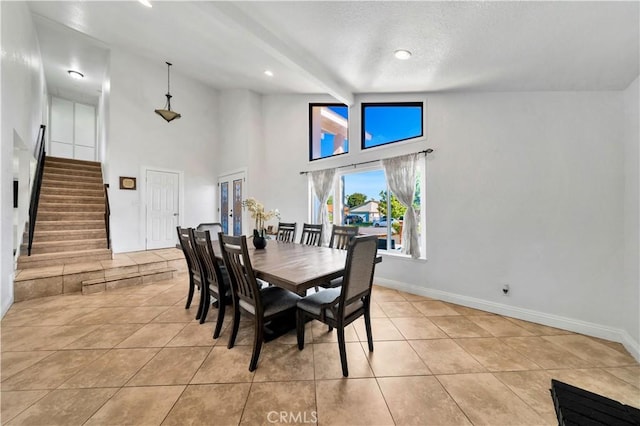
x: 37, y: 184
x: 107, y: 213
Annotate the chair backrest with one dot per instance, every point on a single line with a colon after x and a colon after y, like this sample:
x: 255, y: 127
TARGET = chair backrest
x: 243, y: 281
x: 341, y: 235
x: 311, y: 234
x: 184, y: 235
x: 359, y: 269
x: 214, y: 228
x: 286, y: 232
x: 208, y: 262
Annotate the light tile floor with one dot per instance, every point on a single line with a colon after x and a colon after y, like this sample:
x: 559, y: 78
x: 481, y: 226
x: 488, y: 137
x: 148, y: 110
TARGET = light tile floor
x: 136, y: 356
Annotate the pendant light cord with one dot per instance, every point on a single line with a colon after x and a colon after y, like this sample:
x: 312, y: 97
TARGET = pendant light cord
x: 168, y: 78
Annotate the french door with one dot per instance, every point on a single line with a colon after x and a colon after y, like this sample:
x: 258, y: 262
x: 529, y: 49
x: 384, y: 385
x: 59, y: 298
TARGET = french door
x: 231, y: 190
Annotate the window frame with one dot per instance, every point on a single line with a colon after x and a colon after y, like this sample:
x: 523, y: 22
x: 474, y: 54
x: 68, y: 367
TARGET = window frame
x: 363, y: 106
x: 326, y: 104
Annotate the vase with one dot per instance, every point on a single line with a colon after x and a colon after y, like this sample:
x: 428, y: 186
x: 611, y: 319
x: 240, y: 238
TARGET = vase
x: 259, y: 240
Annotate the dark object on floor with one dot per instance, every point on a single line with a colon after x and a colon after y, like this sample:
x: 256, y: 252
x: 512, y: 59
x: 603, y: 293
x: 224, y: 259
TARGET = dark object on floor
x: 575, y: 406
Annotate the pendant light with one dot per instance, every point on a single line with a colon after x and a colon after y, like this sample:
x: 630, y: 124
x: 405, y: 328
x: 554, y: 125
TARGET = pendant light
x: 166, y: 113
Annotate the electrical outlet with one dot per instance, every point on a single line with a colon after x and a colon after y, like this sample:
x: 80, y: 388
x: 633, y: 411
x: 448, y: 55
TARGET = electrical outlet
x: 505, y: 289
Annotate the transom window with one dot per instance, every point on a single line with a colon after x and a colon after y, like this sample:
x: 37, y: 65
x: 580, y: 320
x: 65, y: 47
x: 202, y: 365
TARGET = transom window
x: 385, y: 123
x: 328, y: 130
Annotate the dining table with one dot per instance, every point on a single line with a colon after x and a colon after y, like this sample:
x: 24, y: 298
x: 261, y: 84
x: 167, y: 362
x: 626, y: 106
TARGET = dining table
x: 298, y: 267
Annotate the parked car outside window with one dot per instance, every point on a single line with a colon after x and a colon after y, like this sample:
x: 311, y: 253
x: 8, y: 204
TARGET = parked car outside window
x: 352, y: 219
x: 383, y: 221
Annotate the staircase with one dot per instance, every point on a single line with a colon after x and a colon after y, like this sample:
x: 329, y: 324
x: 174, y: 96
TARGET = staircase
x: 70, y: 225
x: 70, y: 251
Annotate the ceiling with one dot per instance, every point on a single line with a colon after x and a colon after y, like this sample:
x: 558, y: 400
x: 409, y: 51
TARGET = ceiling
x: 342, y: 48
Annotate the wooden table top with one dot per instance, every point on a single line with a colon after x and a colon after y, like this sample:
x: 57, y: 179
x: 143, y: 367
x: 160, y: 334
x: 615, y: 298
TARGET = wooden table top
x: 297, y: 267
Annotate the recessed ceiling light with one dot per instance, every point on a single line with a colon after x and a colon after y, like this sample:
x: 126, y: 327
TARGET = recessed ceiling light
x: 269, y: 73
x: 145, y: 2
x: 402, y: 54
x: 77, y: 75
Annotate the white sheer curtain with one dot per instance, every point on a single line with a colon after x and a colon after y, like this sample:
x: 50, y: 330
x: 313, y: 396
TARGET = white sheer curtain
x: 322, y: 185
x: 401, y: 178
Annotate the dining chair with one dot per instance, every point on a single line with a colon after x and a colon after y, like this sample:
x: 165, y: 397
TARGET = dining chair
x: 214, y: 228
x: 286, y: 232
x: 215, y: 278
x: 341, y: 235
x: 263, y: 304
x: 340, y: 306
x: 193, y: 267
x: 311, y: 234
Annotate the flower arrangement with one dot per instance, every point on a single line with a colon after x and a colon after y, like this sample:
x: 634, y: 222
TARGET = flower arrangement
x: 258, y: 213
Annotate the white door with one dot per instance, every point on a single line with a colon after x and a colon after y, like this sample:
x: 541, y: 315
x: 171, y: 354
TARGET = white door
x: 162, y: 208
x: 231, y: 193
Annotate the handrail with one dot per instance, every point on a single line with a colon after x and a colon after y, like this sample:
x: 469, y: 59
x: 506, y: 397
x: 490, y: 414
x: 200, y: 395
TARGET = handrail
x: 37, y: 184
x: 107, y: 214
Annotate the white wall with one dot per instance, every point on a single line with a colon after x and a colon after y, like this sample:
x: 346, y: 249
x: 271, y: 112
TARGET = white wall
x: 140, y: 138
x: 631, y: 293
x: 23, y: 91
x: 523, y: 188
x: 241, y: 146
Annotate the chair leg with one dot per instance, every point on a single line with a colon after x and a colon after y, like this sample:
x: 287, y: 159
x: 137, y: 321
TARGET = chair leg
x: 343, y: 351
x: 219, y: 320
x: 300, y: 328
x: 257, y: 344
x: 206, y: 299
x: 236, y: 325
x: 367, y: 326
x: 201, y: 304
x: 191, y: 288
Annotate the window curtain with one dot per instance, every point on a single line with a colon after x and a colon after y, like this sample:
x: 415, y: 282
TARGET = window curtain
x: 401, y: 178
x: 322, y: 185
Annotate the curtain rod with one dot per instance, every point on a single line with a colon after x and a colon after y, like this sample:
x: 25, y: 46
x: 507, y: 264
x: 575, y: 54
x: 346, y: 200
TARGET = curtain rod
x: 425, y: 152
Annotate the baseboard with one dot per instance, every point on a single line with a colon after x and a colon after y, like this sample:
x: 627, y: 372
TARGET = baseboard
x: 551, y: 320
x: 6, y: 303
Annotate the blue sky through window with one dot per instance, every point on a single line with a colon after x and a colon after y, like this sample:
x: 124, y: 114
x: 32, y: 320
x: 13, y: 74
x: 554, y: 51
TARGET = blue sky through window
x: 391, y: 123
x: 368, y: 183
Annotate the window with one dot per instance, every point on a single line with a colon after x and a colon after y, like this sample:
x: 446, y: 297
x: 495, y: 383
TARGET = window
x: 362, y: 198
x: 385, y: 123
x: 328, y: 130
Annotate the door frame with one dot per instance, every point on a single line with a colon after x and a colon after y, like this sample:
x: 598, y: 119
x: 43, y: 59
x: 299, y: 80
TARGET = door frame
x: 143, y: 199
x: 228, y: 174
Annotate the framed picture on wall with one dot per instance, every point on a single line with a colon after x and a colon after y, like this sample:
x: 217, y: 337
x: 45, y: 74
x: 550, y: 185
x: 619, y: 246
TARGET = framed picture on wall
x: 128, y: 183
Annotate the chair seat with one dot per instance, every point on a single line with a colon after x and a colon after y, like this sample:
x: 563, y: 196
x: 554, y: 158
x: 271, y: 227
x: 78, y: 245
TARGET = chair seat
x: 274, y: 301
x: 314, y: 302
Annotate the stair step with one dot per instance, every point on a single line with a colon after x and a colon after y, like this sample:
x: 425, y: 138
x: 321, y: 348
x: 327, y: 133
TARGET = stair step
x: 127, y: 280
x: 72, y: 172
x: 71, y: 184
x: 52, y: 190
x: 65, y: 246
x: 65, y: 175
x: 51, y: 259
x: 70, y: 225
x: 72, y: 161
x: 97, y: 167
x: 66, y: 235
x: 71, y: 199
x: 71, y: 207
x: 66, y: 216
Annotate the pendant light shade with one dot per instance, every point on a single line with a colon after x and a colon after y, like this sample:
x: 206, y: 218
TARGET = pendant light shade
x: 166, y: 113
